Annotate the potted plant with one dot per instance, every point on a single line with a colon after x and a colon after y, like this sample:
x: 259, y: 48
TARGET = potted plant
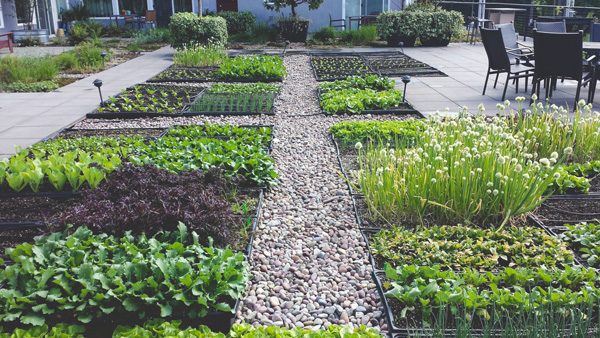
x: 400, y: 26
x: 440, y: 26
x: 293, y: 28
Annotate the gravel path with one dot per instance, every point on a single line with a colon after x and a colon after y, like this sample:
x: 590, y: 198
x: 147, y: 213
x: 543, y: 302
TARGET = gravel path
x: 310, y: 264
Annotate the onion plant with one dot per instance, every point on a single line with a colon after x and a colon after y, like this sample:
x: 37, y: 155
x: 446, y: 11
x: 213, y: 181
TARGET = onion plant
x: 463, y: 170
x: 200, y: 56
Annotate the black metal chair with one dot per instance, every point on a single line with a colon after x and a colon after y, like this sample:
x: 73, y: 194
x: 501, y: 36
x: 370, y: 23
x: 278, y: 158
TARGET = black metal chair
x: 337, y: 23
x: 551, y: 27
x: 565, y: 62
x: 475, y: 23
x: 515, y: 49
x: 499, y: 62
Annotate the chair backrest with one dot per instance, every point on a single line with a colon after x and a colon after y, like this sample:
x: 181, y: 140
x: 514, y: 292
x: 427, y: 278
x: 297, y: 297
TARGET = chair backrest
x: 509, y: 35
x: 151, y: 16
x: 494, y: 48
x: 558, y: 54
x: 595, y: 32
x: 551, y: 27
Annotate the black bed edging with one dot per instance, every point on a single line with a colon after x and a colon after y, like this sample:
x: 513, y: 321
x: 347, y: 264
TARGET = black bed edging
x: 10, y: 226
x: 343, y: 170
x: 593, y: 195
x: 129, y: 115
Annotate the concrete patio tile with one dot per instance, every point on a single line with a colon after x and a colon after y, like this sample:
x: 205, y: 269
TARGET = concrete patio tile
x: 27, y: 133
x: 9, y: 146
x: 30, y: 111
x: 9, y: 121
x: 49, y: 121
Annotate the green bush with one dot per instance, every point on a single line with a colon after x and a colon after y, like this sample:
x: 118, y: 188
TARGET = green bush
x: 361, y: 36
x: 325, y: 34
x: 441, y: 25
x: 153, y: 35
x: 188, y: 30
x: 260, y: 33
x: 42, y: 86
x: 238, y: 22
x: 27, y: 69
x: 396, y: 26
x: 84, y: 32
x: 85, y: 57
x: 29, y: 41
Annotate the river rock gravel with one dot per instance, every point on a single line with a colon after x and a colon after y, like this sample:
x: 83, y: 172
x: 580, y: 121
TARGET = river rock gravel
x: 309, y: 263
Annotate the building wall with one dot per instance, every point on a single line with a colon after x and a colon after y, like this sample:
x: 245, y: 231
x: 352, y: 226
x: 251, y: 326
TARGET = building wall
x: 9, y: 17
x: 319, y: 17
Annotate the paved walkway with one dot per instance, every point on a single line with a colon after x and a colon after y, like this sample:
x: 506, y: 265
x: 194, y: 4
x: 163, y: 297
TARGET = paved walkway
x: 26, y: 118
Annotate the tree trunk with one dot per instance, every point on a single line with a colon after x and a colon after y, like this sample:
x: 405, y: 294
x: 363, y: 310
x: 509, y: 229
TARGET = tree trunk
x: 294, y: 10
x: 200, y: 8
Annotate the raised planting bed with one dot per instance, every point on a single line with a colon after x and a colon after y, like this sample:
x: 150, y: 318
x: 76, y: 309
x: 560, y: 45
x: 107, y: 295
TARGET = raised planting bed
x: 131, y: 279
x: 576, y: 179
x: 186, y: 74
x: 397, y: 64
x: 147, y: 101
x: 421, y: 301
x: 554, y: 213
x: 350, y: 137
x: 235, y: 99
x: 364, y: 101
x: 249, y: 68
x: 329, y: 67
x: 260, y: 135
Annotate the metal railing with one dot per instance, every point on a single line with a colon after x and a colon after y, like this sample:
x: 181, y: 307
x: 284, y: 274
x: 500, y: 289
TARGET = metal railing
x: 523, y: 19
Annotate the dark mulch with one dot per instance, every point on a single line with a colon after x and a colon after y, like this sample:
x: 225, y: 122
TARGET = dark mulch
x: 79, y: 133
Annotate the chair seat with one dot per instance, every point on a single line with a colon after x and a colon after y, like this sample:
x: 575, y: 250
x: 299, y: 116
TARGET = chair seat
x: 521, y: 68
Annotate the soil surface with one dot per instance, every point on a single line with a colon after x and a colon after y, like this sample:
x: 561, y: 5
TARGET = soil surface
x: 78, y: 133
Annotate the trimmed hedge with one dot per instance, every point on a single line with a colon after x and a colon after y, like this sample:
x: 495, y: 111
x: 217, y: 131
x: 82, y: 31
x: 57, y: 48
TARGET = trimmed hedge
x: 189, y: 30
x: 427, y: 25
x: 238, y: 22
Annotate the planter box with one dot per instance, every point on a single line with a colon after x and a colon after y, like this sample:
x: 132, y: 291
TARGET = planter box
x: 21, y: 34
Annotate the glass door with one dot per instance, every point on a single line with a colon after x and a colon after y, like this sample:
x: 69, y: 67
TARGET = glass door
x: 374, y: 7
x: 353, y: 13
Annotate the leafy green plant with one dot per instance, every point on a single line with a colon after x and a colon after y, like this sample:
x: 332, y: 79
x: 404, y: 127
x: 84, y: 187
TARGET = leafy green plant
x: 103, y: 276
x: 200, y: 56
x: 42, y: 86
x: 159, y: 328
x: 234, y: 156
x: 152, y: 36
x: 362, y: 36
x: 43, y: 331
x: 358, y: 100
x: 325, y: 34
x: 252, y: 67
x: 423, y: 290
x: 75, y: 167
x: 368, y: 131
x: 254, y: 136
x: 585, y: 239
x: 573, y: 179
x: 357, y: 82
x: 151, y: 99
x: 27, y: 69
x: 463, y: 248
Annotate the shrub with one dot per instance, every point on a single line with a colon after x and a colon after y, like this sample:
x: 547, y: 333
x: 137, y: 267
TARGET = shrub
x: 189, y: 31
x: 84, y: 32
x: 27, y: 69
x: 238, y: 22
x: 84, y: 57
x: 42, y: 86
x: 361, y: 36
x: 153, y: 35
x: 396, y: 26
x: 260, y: 33
x: 29, y: 41
x: 144, y: 199
x: 325, y: 34
x: 441, y: 25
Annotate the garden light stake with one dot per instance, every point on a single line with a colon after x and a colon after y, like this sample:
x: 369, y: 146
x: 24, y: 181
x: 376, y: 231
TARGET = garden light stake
x: 406, y: 80
x: 98, y: 83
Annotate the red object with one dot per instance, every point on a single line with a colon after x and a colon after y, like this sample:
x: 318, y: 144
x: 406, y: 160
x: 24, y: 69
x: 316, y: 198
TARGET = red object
x: 123, y: 12
x: 8, y: 42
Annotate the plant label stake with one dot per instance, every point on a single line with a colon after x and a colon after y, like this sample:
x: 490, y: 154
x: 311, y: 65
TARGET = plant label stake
x: 98, y: 83
x: 406, y: 80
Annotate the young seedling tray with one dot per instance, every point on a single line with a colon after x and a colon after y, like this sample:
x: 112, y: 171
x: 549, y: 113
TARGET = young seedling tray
x: 181, y: 90
x: 339, y: 66
x: 192, y: 108
x: 178, y: 74
x: 396, y: 64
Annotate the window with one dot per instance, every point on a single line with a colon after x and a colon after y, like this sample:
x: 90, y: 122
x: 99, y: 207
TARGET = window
x: 182, y: 6
x: 99, y: 7
x: 138, y: 7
